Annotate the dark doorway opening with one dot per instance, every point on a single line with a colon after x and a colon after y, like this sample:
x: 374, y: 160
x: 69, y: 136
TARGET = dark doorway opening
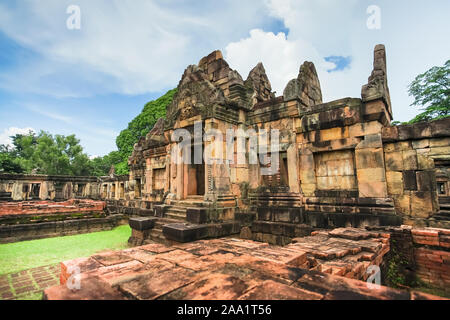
x: 196, y: 175
x: 137, y: 189
x: 35, y: 190
x: 59, y: 191
x: 80, y: 190
x: 284, y: 173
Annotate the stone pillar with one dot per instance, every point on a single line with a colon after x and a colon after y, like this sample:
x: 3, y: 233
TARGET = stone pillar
x: 148, y: 177
x: 17, y: 191
x: 375, y: 94
x: 180, y: 175
x: 370, y: 167
x: 167, y: 177
x: 44, y: 191
x: 307, y: 173
x: 292, y: 156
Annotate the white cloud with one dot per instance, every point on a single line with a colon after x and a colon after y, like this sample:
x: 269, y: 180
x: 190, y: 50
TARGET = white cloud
x: 140, y: 46
x: 124, y: 46
x: 412, y: 31
x: 281, y: 57
x: 12, y: 131
x: 317, y: 29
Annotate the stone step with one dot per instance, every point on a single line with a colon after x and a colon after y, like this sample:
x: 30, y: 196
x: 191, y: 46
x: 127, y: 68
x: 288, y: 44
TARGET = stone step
x: 442, y: 215
x: 282, y: 194
x: 187, y: 204
x: 176, y: 209
x: 163, y: 221
x: 265, y: 199
x: 176, y: 212
x: 284, y: 204
x: 200, y: 198
x: 157, y: 236
x: 176, y: 216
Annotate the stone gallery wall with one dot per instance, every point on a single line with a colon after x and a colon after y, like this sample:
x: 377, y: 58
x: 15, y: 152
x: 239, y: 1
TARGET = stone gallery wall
x: 16, y: 187
x: 415, y: 155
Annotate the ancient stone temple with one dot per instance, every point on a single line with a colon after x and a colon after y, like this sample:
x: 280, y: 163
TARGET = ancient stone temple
x: 268, y: 189
x: 231, y: 157
x: 339, y: 163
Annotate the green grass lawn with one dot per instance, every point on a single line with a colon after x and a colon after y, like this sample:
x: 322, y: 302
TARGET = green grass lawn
x: 15, y: 257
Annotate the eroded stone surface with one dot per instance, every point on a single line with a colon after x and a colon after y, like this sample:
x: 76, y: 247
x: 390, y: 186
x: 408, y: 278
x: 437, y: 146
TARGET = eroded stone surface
x: 225, y: 269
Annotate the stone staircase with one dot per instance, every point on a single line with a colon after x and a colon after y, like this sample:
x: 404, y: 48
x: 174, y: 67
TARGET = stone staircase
x: 156, y: 234
x: 177, y: 209
x: 444, y: 212
x: 174, y: 212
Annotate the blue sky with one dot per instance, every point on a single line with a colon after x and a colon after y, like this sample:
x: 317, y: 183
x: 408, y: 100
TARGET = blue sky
x: 93, y: 81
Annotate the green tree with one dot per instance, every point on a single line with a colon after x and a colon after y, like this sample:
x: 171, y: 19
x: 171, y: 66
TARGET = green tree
x: 102, y: 165
x: 8, y: 163
x: 140, y: 126
x: 47, y: 154
x: 431, y: 90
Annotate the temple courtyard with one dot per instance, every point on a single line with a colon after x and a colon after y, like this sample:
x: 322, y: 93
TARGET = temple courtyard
x: 304, y: 200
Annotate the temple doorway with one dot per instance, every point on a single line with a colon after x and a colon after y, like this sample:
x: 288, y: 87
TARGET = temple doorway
x: 281, y: 177
x: 195, y: 173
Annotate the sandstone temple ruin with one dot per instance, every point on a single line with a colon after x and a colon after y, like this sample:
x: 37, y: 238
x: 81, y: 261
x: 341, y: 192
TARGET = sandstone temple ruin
x: 340, y: 165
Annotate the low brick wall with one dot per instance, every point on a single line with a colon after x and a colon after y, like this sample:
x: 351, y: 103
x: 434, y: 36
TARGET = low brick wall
x: 24, y: 232
x: 50, y: 207
x: 425, y: 252
x: 30, y: 220
x: 432, y: 256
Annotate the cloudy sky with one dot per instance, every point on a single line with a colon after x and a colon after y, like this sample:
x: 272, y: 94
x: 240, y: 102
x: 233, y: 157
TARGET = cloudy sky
x: 92, y: 81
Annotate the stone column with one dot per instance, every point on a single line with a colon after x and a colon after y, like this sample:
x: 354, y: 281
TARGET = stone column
x: 292, y: 156
x: 180, y: 175
x: 148, y: 177
x: 307, y: 173
x: 370, y: 167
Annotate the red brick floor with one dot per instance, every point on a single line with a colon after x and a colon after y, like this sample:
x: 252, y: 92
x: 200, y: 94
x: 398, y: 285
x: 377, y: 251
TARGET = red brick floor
x: 219, y: 269
x: 28, y: 283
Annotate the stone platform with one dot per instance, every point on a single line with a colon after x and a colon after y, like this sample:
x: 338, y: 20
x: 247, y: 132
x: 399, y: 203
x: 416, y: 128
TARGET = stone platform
x: 30, y: 220
x: 233, y: 269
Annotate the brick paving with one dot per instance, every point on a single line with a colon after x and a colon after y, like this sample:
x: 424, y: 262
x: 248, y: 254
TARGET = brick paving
x: 219, y: 269
x: 28, y: 283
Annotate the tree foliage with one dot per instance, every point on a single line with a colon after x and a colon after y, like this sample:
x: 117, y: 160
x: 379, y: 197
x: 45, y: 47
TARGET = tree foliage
x: 431, y: 90
x: 7, y: 162
x: 140, y: 126
x: 102, y: 165
x: 45, y: 154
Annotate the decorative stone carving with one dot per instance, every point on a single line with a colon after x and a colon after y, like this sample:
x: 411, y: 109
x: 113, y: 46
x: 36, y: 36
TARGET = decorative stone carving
x: 377, y: 87
x: 195, y: 94
x: 306, y: 87
x: 259, y: 85
x: 292, y: 91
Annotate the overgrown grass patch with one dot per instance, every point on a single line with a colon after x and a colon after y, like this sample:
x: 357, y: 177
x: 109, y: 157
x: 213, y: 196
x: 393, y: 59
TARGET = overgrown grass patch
x: 15, y: 257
